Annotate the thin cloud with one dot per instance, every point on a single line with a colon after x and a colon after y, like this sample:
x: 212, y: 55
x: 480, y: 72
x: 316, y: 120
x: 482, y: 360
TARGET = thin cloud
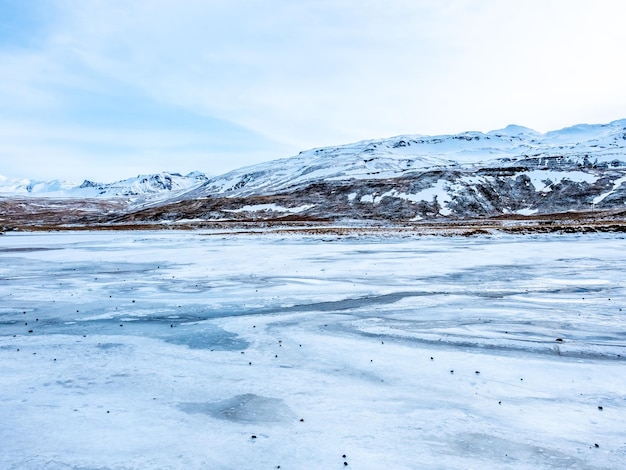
x: 293, y: 75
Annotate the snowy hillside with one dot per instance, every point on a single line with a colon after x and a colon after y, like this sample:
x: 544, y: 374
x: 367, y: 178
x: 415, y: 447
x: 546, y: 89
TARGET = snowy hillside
x: 138, y: 186
x: 599, y: 145
x: 509, y: 171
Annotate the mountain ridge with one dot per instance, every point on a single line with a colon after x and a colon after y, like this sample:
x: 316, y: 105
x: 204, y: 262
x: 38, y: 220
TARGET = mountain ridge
x: 414, y: 178
x: 141, y: 185
x: 513, y: 171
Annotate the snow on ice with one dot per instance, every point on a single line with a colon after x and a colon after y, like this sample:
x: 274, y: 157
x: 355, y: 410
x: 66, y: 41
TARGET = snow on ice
x: 134, y: 350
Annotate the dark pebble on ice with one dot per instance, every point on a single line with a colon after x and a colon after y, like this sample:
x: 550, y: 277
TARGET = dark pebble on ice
x: 30, y: 331
x: 249, y: 363
x: 560, y: 340
x: 275, y: 355
x: 432, y: 358
x: 171, y: 326
x: 133, y: 301
x: 302, y: 420
x: 499, y: 403
x: 596, y: 445
x: 345, y: 464
x: 477, y: 372
x: 25, y: 324
x: 600, y: 408
x: 108, y: 411
x: 253, y: 437
x: 452, y: 372
x: 121, y: 324
x: 343, y: 456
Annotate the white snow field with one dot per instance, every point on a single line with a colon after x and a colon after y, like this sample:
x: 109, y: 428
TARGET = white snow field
x: 198, y: 350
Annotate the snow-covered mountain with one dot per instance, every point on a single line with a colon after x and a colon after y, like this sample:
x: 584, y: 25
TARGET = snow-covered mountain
x: 509, y: 171
x: 512, y: 171
x: 596, y: 145
x: 23, y: 186
x: 142, y: 185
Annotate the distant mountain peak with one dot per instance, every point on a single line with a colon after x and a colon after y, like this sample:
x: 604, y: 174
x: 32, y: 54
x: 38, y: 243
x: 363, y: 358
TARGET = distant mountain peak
x: 141, y: 185
x: 514, y: 129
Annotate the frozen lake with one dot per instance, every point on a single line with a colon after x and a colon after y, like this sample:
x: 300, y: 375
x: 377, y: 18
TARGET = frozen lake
x: 184, y: 350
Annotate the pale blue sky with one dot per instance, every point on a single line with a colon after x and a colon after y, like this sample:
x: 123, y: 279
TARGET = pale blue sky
x: 107, y: 89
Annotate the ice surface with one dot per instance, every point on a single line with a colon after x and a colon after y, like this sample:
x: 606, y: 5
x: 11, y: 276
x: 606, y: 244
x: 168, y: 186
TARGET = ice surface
x: 248, y: 408
x: 171, y: 350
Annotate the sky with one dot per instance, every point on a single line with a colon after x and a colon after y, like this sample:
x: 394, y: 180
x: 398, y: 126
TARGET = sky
x: 108, y: 89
